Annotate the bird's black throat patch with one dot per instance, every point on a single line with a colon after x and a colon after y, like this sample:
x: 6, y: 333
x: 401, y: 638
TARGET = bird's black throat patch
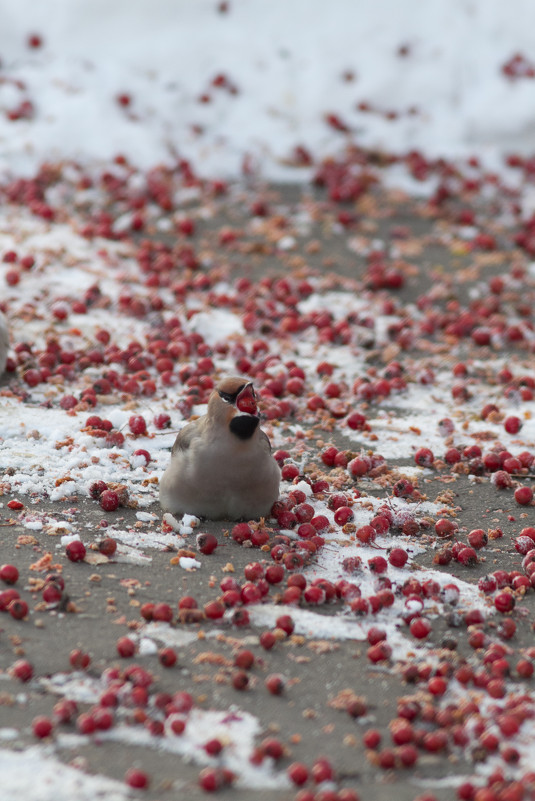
x: 244, y: 425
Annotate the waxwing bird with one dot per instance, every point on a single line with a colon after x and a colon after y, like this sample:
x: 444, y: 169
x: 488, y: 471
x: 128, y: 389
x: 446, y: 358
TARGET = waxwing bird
x: 221, y: 464
x: 4, y: 343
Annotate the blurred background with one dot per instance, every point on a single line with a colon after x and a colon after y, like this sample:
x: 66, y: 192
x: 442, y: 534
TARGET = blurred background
x: 241, y: 85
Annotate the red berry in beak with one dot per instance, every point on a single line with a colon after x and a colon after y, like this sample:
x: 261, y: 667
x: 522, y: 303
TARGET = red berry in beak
x: 246, y: 401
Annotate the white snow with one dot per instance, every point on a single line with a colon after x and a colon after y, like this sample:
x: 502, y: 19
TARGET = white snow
x: 436, y: 66
x: 37, y: 775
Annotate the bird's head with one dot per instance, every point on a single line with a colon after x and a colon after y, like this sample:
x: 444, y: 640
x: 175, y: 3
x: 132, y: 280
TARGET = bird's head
x: 233, y: 404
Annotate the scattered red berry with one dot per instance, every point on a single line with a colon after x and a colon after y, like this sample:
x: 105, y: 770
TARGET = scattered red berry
x: 21, y: 670
x: 275, y: 683
x: 42, y: 726
x: 424, y: 457
x: 9, y: 574
x: 206, y: 543
x: 126, y: 647
x: 109, y: 500
x: 79, y: 659
x: 76, y: 551
x: 137, y: 779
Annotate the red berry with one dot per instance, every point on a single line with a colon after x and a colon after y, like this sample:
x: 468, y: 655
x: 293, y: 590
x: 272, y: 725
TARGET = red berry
x: 398, y: 557
x: 524, y: 495
x: 343, y: 515
x: 52, y: 593
x: 162, y: 421
x: 65, y: 710
x: 424, y: 457
x: 289, y: 472
x: 21, y: 670
x: 512, y: 424
x: 107, y: 546
x: 267, y: 640
x: 501, y: 479
x: 12, y: 277
x: 85, y: 723
x: 176, y: 724
x: 274, y: 574
x: 79, y: 659
x: 403, y: 488
x: 297, y: 772
x: 109, y: 500
x: 211, y: 779
x: 477, y: 538
x: 240, y: 680
x: 322, y: 771
x: 9, y: 574
x: 137, y: 779
x: 97, y: 488
x: 35, y: 40
x: 445, y: 528
x: 467, y: 556
x: 75, y: 550
x: 146, y: 610
x: 126, y: 647
x: 380, y: 652
x: 213, y: 747
x: 162, y: 612
x: 244, y: 659
x: 356, y: 421
x: 420, y: 628
x: 366, y: 534
x: 102, y: 718
x: 378, y: 564
x: 275, y: 683
x: 137, y: 424
x: 167, y: 657
x: 214, y: 610
x: 504, y: 602
x: 452, y: 456
x: 143, y: 454
x: 206, y: 543
x: 359, y: 466
x: 286, y: 623
x: 124, y: 100
x: 437, y: 685
x: 42, y: 726
x: 372, y: 738
x: 524, y: 668
x: 241, y: 532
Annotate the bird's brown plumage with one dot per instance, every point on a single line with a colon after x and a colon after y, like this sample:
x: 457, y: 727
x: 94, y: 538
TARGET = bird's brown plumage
x: 221, y: 464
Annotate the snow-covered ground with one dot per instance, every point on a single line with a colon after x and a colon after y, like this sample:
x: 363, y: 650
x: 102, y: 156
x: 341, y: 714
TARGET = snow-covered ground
x: 240, y: 84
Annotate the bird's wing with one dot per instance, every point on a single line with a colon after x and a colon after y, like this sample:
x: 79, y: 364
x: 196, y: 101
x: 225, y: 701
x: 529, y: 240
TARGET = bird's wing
x: 185, y: 437
x: 265, y: 441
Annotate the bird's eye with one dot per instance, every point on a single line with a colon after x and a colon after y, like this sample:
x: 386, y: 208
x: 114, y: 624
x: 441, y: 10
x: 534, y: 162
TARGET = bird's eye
x: 226, y: 396
x: 230, y: 397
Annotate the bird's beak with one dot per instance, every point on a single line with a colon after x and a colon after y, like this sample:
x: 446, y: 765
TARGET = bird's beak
x: 246, y: 400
